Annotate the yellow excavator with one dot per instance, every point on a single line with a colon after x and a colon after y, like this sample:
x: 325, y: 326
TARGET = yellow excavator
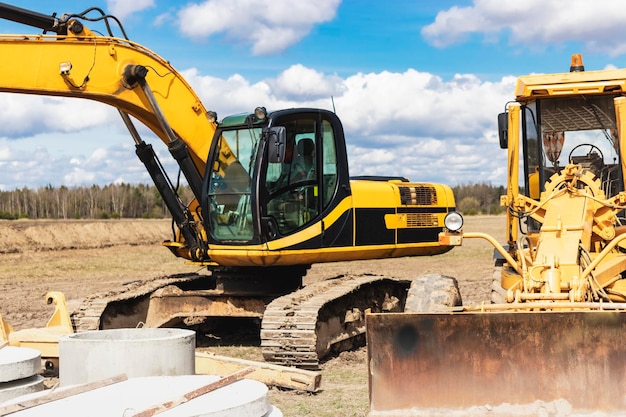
x: 551, y: 341
x: 272, y: 193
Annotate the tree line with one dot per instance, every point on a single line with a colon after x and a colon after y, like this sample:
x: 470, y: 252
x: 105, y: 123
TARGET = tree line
x: 478, y: 198
x: 144, y: 201
x: 108, y: 202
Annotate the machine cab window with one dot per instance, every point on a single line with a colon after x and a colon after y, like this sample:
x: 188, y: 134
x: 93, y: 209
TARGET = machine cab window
x: 559, y: 131
x: 292, y: 186
x: 230, y: 185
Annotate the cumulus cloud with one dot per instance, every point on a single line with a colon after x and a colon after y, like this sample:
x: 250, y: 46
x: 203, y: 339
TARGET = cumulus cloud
x: 26, y: 115
x: 234, y: 94
x: 109, y: 163
x: 124, y: 8
x: 299, y: 82
x: 534, y: 22
x: 270, y: 27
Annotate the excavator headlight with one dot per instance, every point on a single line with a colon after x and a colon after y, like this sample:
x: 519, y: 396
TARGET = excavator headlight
x: 453, y: 221
x: 65, y: 68
x: 260, y: 113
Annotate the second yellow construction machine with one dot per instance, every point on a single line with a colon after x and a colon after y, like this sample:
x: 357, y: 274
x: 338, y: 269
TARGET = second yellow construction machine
x: 552, y: 340
x: 272, y: 192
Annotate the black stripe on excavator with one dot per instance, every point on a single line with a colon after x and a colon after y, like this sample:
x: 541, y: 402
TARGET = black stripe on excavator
x: 371, y: 228
x: 378, y: 178
x: 419, y: 235
x: 339, y: 234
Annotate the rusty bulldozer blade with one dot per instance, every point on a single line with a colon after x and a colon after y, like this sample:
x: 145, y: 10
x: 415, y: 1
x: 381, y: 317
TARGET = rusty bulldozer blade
x: 438, y: 362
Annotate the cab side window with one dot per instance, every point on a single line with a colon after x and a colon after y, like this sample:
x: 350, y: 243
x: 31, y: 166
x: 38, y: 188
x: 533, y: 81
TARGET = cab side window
x: 292, y: 185
x: 329, y: 164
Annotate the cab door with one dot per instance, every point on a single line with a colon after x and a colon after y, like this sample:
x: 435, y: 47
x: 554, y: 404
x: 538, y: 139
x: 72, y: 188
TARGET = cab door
x: 300, y: 188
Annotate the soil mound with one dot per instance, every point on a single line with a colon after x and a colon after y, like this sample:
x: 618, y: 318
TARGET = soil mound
x: 45, y: 235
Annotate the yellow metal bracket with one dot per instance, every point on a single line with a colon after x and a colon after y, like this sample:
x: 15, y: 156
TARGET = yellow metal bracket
x: 46, y: 339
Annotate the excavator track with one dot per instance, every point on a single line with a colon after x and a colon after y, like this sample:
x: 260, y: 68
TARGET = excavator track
x: 300, y: 328
x: 94, y: 313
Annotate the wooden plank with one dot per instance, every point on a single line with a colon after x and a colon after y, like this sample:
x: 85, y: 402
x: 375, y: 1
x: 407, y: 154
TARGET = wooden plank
x: 270, y: 374
x: 60, y: 394
x: 160, y: 408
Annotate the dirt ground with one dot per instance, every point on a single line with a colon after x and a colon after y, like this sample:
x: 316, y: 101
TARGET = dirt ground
x: 81, y: 258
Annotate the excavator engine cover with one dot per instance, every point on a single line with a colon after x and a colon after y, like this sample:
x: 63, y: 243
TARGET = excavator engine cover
x: 496, y: 363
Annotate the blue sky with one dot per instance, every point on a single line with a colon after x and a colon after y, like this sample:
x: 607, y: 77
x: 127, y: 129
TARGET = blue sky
x: 417, y: 83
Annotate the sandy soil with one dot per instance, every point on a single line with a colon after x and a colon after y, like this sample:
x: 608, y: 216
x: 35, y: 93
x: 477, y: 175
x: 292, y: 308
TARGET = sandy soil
x: 81, y: 258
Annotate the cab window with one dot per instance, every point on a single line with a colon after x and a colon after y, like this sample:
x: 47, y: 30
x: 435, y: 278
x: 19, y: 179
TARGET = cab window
x: 292, y: 185
x: 230, y: 185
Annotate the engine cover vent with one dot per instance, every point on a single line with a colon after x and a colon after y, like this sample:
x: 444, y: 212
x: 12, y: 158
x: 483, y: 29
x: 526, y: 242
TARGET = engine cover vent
x: 418, y: 196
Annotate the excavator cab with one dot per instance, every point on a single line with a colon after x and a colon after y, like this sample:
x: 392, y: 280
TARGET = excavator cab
x: 273, y: 175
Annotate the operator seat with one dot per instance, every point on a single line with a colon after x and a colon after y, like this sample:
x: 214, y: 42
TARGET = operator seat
x: 304, y: 163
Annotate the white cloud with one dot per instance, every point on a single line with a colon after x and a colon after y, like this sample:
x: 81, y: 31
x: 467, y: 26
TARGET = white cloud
x: 28, y: 114
x: 124, y: 8
x: 228, y: 96
x: 299, y: 82
x: 534, y: 22
x: 6, y: 154
x: 98, y: 155
x: 270, y: 27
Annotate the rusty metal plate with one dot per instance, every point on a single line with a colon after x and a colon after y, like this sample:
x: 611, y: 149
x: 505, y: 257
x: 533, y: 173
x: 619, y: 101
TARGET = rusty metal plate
x: 460, y: 360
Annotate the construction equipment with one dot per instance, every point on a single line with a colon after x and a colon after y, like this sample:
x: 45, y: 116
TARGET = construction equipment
x: 272, y: 196
x: 552, y: 340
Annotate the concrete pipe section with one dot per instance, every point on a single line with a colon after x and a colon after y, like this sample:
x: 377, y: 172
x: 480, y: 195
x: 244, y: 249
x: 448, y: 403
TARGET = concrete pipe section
x: 19, y: 369
x: 95, y: 355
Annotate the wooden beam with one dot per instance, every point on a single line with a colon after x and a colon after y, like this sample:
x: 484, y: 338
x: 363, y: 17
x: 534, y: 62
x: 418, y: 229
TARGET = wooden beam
x: 160, y: 408
x: 60, y: 394
x: 269, y: 374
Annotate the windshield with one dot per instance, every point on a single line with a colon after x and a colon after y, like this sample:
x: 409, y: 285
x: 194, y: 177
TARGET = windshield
x: 572, y: 130
x: 229, y: 189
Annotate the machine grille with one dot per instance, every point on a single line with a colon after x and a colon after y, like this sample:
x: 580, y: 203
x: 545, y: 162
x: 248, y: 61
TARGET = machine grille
x: 421, y: 220
x: 418, y: 196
